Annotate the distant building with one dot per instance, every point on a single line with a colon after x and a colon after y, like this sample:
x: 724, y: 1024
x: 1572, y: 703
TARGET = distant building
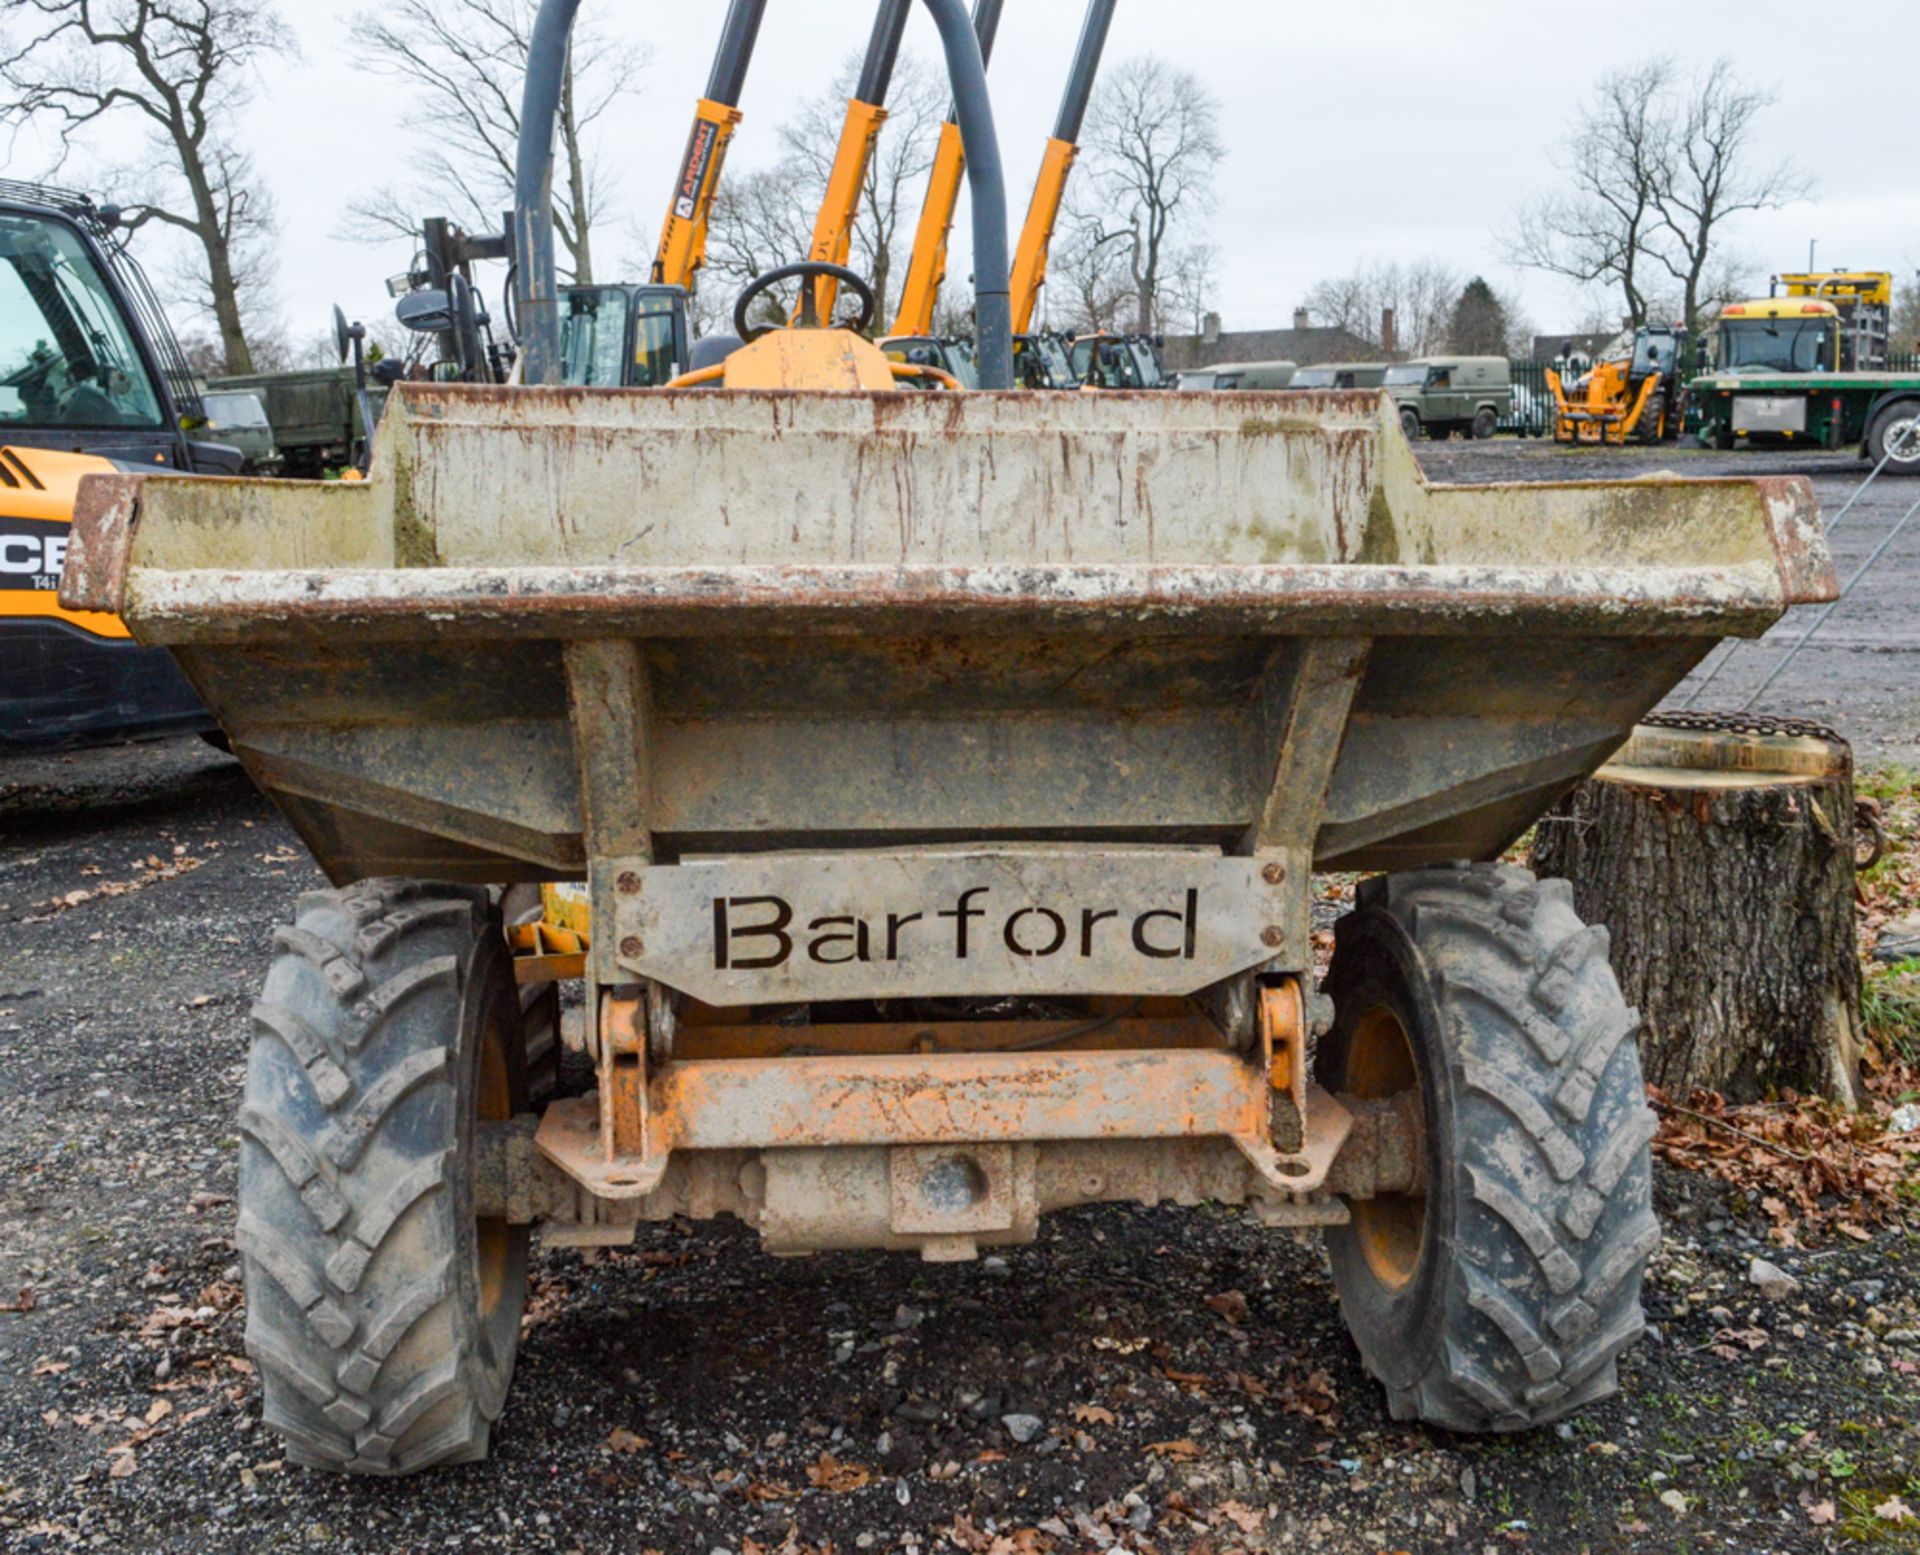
x: 1304, y: 343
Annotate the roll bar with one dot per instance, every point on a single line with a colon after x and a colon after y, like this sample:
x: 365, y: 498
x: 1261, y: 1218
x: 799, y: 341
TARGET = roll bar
x: 539, y: 278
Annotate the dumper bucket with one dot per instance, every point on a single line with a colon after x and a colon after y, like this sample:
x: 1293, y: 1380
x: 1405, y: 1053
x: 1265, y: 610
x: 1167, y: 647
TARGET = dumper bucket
x: 874, y: 620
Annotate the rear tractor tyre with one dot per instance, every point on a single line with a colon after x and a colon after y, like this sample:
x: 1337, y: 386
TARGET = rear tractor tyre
x: 1501, y: 1296
x: 382, y: 1314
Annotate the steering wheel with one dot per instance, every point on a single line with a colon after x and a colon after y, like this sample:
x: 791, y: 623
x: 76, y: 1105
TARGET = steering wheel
x: 811, y: 270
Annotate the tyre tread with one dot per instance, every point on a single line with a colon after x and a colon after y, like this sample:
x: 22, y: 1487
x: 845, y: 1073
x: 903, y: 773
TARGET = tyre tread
x: 324, y: 1335
x: 1544, y: 1297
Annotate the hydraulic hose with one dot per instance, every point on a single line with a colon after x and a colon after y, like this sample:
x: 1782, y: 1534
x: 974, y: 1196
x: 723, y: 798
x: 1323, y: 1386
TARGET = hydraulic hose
x: 539, y: 274
x: 986, y: 180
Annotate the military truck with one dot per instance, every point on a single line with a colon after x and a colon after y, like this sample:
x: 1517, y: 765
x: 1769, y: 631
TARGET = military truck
x: 1340, y: 375
x: 313, y: 412
x: 1441, y: 395
x: 1239, y: 375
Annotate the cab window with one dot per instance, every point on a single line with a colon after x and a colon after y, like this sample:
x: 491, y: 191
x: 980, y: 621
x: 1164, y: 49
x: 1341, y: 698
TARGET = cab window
x: 654, y: 362
x: 67, y: 356
x: 593, y: 336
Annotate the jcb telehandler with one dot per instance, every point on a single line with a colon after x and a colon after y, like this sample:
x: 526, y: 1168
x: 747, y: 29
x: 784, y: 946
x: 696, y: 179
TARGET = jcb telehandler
x: 1632, y: 391
x: 946, y: 774
x: 91, y: 379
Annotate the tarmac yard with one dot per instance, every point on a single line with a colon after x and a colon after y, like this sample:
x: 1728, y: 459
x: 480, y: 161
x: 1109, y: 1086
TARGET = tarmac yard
x: 1136, y: 1380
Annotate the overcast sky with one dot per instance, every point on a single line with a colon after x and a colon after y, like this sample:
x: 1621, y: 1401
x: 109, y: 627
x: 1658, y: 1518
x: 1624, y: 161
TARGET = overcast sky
x: 1359, y: 130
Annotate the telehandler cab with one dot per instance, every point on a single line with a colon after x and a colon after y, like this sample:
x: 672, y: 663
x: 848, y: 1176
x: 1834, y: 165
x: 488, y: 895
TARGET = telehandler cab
x: 946, y: 775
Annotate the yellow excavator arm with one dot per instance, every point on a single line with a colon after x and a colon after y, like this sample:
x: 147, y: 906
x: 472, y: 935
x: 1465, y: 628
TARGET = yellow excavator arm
x: 846, y: 182
x: 683, y: 240
x: 1036, y: 237
x: 928, y: 269
x: 1049, y: 190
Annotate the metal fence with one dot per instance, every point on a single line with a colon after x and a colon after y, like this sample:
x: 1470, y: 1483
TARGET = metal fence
x: 1531, y: 413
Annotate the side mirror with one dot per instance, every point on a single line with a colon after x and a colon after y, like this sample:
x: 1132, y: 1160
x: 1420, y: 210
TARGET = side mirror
x: 346, y: 336
x: 425, y: 312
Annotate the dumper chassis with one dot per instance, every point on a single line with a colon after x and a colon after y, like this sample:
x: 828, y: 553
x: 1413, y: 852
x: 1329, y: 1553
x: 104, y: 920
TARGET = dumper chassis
x: 944, y: 777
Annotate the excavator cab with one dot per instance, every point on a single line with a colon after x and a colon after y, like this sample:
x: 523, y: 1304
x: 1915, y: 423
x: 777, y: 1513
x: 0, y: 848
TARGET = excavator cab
x: 1042, y: 361
x: 949, y: 356
x: 1116, y: 362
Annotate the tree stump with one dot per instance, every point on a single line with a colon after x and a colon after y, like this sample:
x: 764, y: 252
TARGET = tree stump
x: 1719, y: 854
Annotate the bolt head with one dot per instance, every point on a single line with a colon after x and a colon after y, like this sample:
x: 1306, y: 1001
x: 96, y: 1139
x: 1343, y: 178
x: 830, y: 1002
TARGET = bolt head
x: 633, y: 947
x: 628, y: 883
x: 1274, y: 874
x: 1273, y: 936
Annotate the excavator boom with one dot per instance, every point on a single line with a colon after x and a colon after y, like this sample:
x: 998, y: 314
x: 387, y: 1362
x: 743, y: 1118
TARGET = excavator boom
x: 683, y: 240
x: 1030, y: 259
x: 866, y: 112
x: 927, y: 271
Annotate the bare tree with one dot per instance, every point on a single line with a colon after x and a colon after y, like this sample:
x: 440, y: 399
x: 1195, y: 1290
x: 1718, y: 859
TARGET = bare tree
x: 1420, y: 295
x: 183, y: 69
x: 1191, y: 283
x: 1654, y: 168
x: 1152, y: 146
x: 1595, y: 230
x: 758, y: 223
x: 461, y: 64
x: 766, y: 218
x: 1708, y: 179
x: 1089, y: 273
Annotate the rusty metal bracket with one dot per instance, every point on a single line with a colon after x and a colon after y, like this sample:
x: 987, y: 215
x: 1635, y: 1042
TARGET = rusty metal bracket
x: 569, y: 1136
x: 1325, y: 1126
x: 1285, y: 1022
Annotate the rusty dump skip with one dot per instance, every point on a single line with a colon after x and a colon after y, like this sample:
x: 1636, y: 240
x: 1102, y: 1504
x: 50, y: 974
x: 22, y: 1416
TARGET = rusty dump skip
x: 885, y: 620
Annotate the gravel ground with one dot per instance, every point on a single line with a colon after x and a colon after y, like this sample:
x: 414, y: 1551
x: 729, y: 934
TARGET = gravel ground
x: 1136, y: 1380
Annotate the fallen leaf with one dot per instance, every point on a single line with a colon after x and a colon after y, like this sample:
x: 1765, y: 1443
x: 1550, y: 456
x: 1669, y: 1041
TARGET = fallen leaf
x: 1183, y: 1450
x: 1120, y: 1346
x: 1243, y: 1517
x: 1186, y: 1379
x: 51, y: 1368
x: 26, y: 1301
x: 623, y: 1440
x: 1092, y: 1414
x: 1231, y: 1305
x: 123, y: 1464
x: 160, y: 1410
x: 832, y: 1475
x: 1894, y: 1510
x: 1821, y: 1513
